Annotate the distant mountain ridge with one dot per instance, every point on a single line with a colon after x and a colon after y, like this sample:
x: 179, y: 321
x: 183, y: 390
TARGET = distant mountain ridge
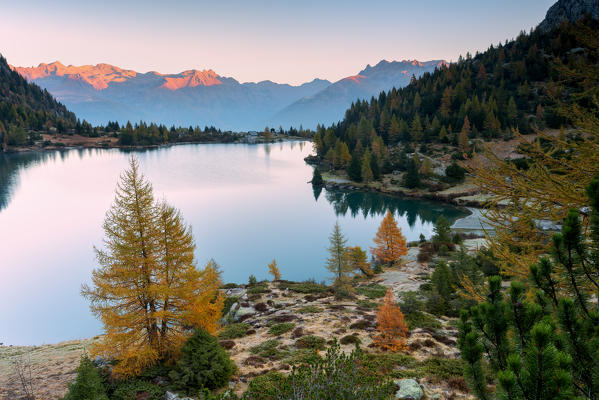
x: 103, y: 92
x: 329, y: 105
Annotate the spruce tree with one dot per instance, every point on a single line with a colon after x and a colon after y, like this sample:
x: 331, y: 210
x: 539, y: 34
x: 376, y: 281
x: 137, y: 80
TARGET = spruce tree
x: 411, y: 178
x: 338, y: 262
x: 354, y: 171
x: 317, y: 178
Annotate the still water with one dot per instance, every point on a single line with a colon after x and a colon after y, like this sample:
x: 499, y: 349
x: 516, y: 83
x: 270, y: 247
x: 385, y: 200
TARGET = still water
x: 247, y: 205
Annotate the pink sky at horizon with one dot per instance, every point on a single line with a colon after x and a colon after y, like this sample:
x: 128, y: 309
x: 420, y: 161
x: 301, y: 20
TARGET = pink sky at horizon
x: 283, y: 41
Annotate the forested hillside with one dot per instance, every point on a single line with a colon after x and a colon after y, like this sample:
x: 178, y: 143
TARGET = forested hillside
x: 518, y: 85
x: 24, y: 106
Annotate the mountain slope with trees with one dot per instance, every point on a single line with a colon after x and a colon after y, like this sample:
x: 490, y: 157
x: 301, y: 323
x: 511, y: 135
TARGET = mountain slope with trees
x: 515, y: 86
x: 24, y: 106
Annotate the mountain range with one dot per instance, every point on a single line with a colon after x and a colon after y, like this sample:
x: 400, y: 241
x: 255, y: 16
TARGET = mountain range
x: 101, y: 93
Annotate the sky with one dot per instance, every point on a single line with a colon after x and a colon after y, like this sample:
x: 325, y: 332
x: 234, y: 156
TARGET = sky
x: 286, y: 41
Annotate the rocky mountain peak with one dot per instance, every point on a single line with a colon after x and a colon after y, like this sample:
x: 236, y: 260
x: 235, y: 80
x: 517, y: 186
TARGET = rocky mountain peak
x: 569, y: 10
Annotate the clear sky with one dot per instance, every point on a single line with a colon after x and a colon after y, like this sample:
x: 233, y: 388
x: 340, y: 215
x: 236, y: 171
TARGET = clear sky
x: 290, y: 41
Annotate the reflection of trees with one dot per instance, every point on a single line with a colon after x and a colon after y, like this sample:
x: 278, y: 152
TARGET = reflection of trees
x: 11, y: 166
x: 371, y: 204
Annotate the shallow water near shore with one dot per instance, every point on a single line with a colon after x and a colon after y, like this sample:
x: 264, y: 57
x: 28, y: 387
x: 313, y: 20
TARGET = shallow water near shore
x: 247, y: 204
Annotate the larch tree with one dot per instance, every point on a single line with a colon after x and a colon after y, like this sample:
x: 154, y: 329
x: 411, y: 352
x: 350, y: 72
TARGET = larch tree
x: 337, y: 262
x: 358, y: 261
x: 390, y: 242
x: 147, y: 291
x: 391, y: 325
x: 274, y: 271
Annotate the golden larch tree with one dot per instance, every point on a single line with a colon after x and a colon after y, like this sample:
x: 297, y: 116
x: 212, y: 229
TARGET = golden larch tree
x: 358, y: 261
x: 390, y: 242
x: 147, y: 291
x: 274, y: 271
x: 391, y: 325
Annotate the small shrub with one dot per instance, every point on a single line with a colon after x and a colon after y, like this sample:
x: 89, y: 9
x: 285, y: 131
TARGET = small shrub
x: 262, y: 307
x: 230, y: 286
x: 310, y: 310
x: 229, y: 301
x: 279, y: 329
x: 202, y: 364
x: 425, y: 253
x: 305, y: 287
x: 266, y: 383
x: 422, y: 320
x: 311, y: 342
x: 350, y: 339
x: 258, y: 289
x: 325, y: 379
x: 136, y: 388
x: 88, y: 384
x: 361, y: 324
x: 234, y: 331
x: 268, y: 349
x: 371, y: 305
x: 372, y: 291
x: 411, y: 303
x: 282, y: 318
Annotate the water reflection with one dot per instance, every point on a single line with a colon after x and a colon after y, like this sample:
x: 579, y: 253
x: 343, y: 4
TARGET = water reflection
x: 367, y: 204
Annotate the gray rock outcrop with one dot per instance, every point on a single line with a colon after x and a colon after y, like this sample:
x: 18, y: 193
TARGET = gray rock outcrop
x: 569, y: 10
x: 409, y: 389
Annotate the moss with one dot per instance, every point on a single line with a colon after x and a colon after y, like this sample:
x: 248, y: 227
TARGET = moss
x: 310, y: 310
x: 234, y: 331
x: 279, y: 329
x: 372, y: 291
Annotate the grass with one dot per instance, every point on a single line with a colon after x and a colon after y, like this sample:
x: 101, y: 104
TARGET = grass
x: 419, y: 319
x: 372, y: 291
x: 234, y: 331
x: 279, y: 329
x: 310, y: 310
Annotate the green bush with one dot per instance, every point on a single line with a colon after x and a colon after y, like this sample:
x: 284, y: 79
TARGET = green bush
x: 88, y: 384
x: 234, y: 331
x: 311, y: 342
x: 367, y: 304
x: 229, y: 301
x: 305, y: 287
x: 268, y: 349
x: 258, y: 289
x: 422, y: 320
x: 372, y: 291
x: 252, y: 280
x: 310, y: 310
x: 130, y: 389
x: 336, y: 377
x: 350, y: 339
x: 266, y: 383
x: 203, y: 364
x: 279, y: 329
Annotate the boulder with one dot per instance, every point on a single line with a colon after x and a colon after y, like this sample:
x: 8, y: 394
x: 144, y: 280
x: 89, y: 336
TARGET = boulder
x: 409, y: 389
x: 175, y: 396
x: 244, y: 312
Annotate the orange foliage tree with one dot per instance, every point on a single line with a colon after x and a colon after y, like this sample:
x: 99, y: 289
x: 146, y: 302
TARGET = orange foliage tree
x: 390, y: 325
x: 390, y: 243
x: 274, y: 271
x: 147, y: 291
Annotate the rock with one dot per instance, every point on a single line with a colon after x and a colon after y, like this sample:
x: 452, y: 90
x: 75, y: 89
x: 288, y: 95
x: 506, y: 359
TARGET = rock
x: 175, y: 396
x: 244, y: 312
x: 409, y: 389
x: 569, y: 10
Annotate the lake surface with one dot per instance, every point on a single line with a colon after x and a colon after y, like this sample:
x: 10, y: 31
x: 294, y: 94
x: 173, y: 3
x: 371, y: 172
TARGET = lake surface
x: 247, y: 204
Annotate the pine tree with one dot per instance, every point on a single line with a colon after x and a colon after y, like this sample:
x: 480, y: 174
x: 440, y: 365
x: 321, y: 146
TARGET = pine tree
x: 411, y: 179
x: 149, y: 257
x: 391, y: 325
x: 88, y: 383
x: 442, y: 230
x: 375, y: 168
x: 317, y: 178
x: 390, y: 243
x: 463, y: 138
x: 337, y: 262
x: 354, y: 171
x: 366, y: 170
x: 274, y: 271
